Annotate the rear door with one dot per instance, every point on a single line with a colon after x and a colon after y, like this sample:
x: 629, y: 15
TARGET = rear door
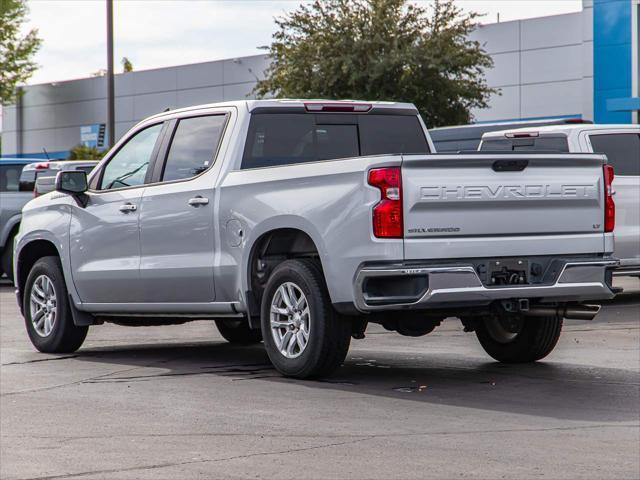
x: 502, y: 205
x: 177, y: 214
x: 622, y: 148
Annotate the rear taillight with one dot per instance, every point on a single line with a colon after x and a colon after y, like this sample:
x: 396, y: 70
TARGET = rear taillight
x: 609, y: 204
x: 387, y: 214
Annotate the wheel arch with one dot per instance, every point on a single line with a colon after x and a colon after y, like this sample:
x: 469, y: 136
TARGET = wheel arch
x: 271, y: 246
x: 27, y: 256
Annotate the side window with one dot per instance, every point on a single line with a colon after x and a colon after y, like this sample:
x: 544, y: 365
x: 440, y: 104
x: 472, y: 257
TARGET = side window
x: 129, y: 165
x: 10, y: 178
x: 622, y: 151
x: 193, y: 147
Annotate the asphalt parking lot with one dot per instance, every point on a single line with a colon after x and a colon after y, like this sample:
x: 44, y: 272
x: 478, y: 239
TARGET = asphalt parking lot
x: 178, y: 402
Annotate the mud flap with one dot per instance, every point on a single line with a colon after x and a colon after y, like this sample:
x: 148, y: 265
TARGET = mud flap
x: 80, y: 319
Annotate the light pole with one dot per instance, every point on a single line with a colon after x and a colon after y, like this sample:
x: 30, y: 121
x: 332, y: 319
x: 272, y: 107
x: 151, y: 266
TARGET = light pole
x: 111, y: 123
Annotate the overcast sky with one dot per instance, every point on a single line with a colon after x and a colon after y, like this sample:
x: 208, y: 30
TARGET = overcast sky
x: 154, y: 33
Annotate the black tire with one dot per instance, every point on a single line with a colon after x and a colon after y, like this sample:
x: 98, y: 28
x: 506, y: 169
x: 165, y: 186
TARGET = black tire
x: 533, y: 339
x: 329, y: 334
x: 238, y: 331
x: 65, y: 336
x: 6, y: 262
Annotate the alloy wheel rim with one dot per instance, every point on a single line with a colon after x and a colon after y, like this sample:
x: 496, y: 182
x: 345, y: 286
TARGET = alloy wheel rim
x: 290, y: 320
x: 43, y: 306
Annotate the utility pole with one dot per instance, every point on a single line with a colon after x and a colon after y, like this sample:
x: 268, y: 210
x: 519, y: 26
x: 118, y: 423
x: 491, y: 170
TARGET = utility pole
x: 111, y: 122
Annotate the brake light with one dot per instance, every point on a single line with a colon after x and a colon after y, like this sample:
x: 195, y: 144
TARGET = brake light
x: 387, y: 213
x: 42, y: 166
x: 609, y: 204
x: 337, y: 107
x: 522, y: 135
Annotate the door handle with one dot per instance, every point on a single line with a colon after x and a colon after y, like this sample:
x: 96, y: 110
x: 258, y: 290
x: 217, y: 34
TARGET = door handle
x: 128, y: 207
x: 197, y: 201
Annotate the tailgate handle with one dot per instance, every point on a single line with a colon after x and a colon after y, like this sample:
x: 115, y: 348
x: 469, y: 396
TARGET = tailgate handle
x: 509, y: 165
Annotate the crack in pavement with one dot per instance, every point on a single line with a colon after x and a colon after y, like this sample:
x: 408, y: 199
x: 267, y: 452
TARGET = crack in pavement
x: 39, y: 360
x: 87, y: 380
x: 222, y: 371
x: 67, y: 438
x: 357, y: 439
x: 191, y: 462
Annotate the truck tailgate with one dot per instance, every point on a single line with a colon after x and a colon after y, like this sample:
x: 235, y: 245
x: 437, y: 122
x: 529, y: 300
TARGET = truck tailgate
x: 480, y: 205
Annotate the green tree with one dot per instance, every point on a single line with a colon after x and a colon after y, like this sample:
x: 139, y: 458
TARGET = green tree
x: 381, y: 50
x: 16, y: 50
x: 82, y: 152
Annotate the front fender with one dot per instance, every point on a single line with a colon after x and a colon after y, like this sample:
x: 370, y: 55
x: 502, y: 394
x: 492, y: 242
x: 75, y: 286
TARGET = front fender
x: 47, y: 221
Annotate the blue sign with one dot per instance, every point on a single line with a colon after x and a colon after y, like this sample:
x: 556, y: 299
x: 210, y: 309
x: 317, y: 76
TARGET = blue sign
x: 92, y: 136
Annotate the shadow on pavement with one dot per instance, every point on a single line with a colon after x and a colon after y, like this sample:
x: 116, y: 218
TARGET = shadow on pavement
x: 563, y: 391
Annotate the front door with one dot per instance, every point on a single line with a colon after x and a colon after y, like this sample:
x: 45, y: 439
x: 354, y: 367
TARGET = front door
x: 177, y: 216
x: 105, y: 234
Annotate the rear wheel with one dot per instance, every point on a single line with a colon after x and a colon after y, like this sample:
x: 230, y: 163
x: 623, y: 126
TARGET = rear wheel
x: 511, y: 339
x: 303, y: 335
x: 47, y: 313
x: 238, y: 331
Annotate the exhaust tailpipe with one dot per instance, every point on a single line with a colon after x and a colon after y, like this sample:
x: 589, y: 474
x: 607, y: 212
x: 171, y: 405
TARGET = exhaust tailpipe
x: 571, y: 312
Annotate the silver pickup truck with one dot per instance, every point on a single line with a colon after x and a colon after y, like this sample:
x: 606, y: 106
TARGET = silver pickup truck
x: 299, y: 222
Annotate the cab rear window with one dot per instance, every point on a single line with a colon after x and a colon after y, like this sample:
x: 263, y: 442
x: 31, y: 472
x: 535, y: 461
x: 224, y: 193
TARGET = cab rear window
x: 289, y: 138
x: 545, y: 143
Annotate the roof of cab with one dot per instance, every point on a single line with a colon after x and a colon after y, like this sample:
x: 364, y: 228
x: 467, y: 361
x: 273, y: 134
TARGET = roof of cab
x: 560, y: 129
x: 252, y: 105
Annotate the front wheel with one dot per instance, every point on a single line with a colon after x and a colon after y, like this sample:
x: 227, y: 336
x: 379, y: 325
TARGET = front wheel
x: 519, y: 339
x: 47, y: 313
x: 303, y: 335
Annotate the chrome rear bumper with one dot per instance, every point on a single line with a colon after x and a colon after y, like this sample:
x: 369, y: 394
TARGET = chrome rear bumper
x: 460, y: 285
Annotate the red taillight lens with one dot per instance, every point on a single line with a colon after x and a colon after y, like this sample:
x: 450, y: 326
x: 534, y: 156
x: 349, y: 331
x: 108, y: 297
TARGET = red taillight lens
x: 609, y: 204
x: 387, y: 214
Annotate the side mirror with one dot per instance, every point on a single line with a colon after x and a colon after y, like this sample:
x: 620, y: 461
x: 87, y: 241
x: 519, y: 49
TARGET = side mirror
x: 73, y: 182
